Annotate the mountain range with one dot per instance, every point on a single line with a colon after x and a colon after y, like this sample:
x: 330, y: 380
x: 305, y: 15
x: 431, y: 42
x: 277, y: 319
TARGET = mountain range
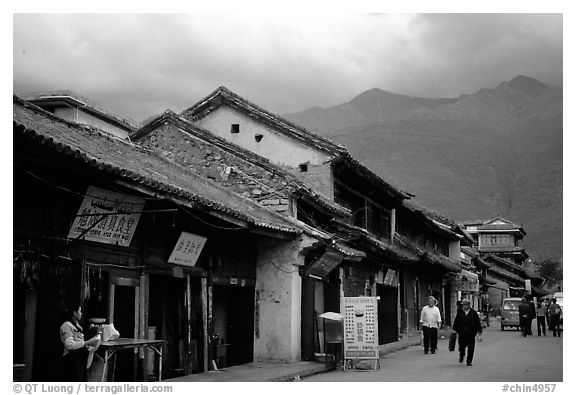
x: 496, y: 152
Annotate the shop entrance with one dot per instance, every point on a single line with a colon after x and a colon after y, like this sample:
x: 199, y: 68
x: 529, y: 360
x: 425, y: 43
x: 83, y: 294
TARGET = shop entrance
x: 233, y: 322
x: 387, y: 314
x: 167, y: 316
x: 60, y: 286
x: 124, y: 322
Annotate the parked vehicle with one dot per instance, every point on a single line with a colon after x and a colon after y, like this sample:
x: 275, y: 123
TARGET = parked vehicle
x: 509, y: 316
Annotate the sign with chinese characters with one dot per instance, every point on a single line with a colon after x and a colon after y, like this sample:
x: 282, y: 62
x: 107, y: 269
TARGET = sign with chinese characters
x: 389, y: 277
x: 464, y: 285
x: 187, y: 250
x: 118, y: 222
x: 360, y: 327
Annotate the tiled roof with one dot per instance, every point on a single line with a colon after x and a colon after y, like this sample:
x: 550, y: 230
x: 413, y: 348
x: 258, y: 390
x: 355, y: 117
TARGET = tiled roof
x: 500, y: 227
x: 293, y: 183
x: 503, y: 249
x: 224, y: 96
x: 429, y: 256
x: 486, y: 224
x: 402, y: 248
x: 435, y: 222
x: 505, y: 273
x: 85, y: 103
x: 137, y: 165
x: 521, y: 271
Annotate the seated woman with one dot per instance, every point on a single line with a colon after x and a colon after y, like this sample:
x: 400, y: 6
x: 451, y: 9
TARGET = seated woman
x: 76, y: 349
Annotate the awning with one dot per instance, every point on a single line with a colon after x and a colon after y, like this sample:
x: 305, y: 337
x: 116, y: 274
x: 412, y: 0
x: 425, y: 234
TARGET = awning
x: 322, y: 266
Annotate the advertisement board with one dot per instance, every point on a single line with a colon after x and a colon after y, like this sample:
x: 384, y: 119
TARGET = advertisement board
x: 360, y: 327
x: 107, y: 217
x: 187, y: 250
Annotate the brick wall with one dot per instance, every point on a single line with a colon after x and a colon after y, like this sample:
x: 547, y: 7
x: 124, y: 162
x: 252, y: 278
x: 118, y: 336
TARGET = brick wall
x: 268, y: 188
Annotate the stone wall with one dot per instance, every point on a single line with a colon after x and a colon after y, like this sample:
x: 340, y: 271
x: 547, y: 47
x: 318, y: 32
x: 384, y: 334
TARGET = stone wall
x: 268, y: 188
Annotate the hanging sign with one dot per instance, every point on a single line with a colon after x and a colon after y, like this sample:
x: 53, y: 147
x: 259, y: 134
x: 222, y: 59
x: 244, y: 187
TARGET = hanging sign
x: 187, y: 250
x: 118, y: 222
x: 528, y: 286
x: 360, y: 327
x: 389, y: 277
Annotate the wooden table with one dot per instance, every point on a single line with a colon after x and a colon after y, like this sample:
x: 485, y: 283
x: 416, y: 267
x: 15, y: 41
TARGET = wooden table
x: 113, y: 346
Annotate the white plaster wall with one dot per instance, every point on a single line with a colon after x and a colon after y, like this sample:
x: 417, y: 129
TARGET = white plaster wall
x: 497, y: 292
x: 274, y: 146
x: 78, y: 116
x: 454, y: 251
x: 279, y: 286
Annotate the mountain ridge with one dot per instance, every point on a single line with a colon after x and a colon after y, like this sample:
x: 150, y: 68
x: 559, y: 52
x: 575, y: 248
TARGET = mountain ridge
x: 495, y: 151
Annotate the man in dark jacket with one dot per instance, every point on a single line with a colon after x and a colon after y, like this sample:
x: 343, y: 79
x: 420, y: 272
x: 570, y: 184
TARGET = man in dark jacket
x: 467, y: 324
x: 525, y: 312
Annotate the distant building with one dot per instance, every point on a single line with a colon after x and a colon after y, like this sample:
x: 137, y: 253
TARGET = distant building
x: 498, y: 253
x: 74, y: 108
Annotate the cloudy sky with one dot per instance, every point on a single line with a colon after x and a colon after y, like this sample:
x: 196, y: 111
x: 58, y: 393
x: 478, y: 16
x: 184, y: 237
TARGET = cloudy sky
x: 139, y: 65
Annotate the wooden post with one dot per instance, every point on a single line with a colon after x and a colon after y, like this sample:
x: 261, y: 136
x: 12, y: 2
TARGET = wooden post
x: 204, y: 301
x: 111, y: 303
x: 29, y: 333
x: 188, y: 302
x: 136, y: 330
x: 392, y: 225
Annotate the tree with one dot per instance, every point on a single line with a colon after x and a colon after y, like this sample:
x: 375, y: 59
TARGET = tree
x: 550, y: 270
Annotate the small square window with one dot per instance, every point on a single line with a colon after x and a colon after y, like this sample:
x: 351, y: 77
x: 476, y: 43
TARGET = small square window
x: 235, y: 128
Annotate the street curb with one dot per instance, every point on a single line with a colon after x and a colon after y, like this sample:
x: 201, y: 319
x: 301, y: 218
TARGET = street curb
x: 296, y: 376
x: 397, y: 346
x: 384, y: 350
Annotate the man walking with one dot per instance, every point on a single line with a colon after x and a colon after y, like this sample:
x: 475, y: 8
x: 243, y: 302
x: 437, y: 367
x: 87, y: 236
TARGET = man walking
x: 430, y: 320
x: 524, y: 313
x: 555, y: 310
x: 541, y: 317
x: 467, y: 325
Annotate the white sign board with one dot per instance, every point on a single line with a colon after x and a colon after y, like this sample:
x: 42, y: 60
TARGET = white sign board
x: 121, y: 215
x: 187, y: 250
x: 360, y: 327
x: 528, y: 285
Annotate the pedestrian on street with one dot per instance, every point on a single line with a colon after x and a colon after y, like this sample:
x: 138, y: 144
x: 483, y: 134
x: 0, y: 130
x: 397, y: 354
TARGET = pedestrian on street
x: 524, y: 313
x: 430, y: 319
x: 555, y: 310
x: 467, y: 325
x: 541, y: 317
x: 547, y: 303
x: 532, y: 313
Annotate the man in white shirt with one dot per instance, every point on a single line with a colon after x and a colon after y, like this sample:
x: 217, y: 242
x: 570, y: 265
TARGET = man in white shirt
x: 430, y: 320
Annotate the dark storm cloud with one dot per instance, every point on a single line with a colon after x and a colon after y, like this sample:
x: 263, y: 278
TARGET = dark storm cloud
x: 139, y: 65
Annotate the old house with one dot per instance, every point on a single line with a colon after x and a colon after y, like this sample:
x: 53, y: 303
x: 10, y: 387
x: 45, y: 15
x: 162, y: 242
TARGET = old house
x: 99, y: 219
x: 320, y: 226
x: 498, y: 252
x: 372, y: 227
x: 75, y: 108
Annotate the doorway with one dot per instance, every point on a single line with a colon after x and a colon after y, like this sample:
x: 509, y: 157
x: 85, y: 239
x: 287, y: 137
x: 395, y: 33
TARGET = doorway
x: 124, y: 322
x: 233, y: 322
x: 167, y: 315
x: 387, y: 314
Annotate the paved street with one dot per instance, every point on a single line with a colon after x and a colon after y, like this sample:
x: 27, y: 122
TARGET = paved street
x: 501, y: 356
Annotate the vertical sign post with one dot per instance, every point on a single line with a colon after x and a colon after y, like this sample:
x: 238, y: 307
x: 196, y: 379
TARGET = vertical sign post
x: 360, y: 328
